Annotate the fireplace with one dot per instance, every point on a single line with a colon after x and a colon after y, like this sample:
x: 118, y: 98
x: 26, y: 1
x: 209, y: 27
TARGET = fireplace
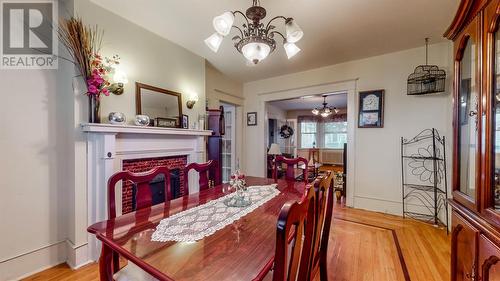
x: 176, y: 165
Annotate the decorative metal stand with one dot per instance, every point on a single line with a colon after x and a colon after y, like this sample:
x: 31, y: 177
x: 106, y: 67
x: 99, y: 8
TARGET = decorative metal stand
x: 424, y: 182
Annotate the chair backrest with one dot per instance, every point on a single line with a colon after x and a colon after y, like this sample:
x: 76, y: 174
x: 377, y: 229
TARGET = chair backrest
x: 141, y: 181
x: 323, y: 187
x: 295, y: 229
x: 290, y: 167
x: 203, y: 170
x: 313, y: 154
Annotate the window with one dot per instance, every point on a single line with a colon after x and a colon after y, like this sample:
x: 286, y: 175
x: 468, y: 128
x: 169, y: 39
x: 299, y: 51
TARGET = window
x: 335, y: 134
x: 331, y: 134
x: 308, y: 134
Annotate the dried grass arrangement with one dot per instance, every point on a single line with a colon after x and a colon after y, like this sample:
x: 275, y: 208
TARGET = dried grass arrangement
x: 83, y: 43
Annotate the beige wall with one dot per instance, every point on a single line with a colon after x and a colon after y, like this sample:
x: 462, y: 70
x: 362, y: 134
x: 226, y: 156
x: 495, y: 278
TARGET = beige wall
x: 43, y: 139
x: 377, y: 181
x: 36, y: 145
x: 146, y: 58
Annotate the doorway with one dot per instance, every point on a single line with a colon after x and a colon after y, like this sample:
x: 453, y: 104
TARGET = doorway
x: 229, y: 142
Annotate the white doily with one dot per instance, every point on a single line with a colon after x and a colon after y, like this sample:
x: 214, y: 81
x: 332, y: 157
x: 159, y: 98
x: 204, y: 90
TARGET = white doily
x: 204, y: 220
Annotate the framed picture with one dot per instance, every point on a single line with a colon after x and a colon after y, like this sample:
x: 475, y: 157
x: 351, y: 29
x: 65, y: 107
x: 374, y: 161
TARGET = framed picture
x: 185, y: 121
x: 166, y: 122
x: 371, y: 109
x: 252, y: 119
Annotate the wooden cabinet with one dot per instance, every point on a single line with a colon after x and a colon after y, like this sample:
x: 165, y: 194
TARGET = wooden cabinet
x: 476, y: 141
x: 489, y: 257
x: 464, y: 240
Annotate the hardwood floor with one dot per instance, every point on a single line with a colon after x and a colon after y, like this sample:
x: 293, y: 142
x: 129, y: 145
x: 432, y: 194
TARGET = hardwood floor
x: 363, y: 245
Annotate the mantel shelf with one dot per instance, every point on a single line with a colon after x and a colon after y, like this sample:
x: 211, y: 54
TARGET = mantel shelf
x: 129, y: 129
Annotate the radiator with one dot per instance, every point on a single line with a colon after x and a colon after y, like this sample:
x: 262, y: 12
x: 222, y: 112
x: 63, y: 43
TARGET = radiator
x: 331, y: 156
x: 326, y: 156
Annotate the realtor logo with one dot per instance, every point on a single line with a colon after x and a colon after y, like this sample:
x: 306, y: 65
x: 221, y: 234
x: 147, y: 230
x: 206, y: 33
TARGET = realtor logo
x: 29, y: 34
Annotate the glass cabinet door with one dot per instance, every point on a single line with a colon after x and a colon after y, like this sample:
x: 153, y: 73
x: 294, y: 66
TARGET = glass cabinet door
x: 468, y: 120
x: 496, y: 122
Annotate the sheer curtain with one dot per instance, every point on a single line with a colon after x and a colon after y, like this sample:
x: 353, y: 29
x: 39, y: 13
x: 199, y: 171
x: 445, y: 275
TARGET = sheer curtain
x: 322, y: 132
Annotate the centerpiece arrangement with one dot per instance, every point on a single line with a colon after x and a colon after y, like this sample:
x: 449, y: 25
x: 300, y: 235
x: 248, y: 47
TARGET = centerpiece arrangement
x: 238, y: 183
x: 84, y: 45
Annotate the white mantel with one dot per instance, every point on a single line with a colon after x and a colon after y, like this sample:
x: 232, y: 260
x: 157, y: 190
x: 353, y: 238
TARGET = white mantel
x: 108, y: 145
x: 129, y: 129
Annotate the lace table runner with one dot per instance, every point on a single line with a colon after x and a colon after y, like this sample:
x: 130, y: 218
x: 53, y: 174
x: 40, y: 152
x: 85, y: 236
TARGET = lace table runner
x: 204, y: 220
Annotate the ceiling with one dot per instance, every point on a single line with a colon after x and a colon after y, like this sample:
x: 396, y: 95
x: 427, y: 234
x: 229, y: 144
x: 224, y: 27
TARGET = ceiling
x: 334, y: 100
x: 334, y: 30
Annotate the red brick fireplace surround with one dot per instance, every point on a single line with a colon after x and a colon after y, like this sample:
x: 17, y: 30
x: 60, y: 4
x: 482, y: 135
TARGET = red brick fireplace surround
x: 146, y: 164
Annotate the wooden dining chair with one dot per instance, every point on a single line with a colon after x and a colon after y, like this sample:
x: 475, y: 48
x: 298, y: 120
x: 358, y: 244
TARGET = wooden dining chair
x: 323, y: 188
x: 291, y: 163
x: 143, y: 192
x: 294, y: 240
x: 203, y: 169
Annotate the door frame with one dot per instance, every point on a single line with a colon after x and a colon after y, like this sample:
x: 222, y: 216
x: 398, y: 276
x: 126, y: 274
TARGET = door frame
x: 347, y: 86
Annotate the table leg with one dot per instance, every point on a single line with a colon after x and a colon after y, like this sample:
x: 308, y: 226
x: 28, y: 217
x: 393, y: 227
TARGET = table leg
x: 105, y: 264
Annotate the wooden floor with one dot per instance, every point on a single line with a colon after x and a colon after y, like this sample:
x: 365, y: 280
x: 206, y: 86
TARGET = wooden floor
x: 364, y: 245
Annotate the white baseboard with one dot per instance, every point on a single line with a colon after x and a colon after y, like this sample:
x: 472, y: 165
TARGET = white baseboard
x: 77, y: 256
x: 388, y: 206
x: 378, y: 205
x: 32, y: 262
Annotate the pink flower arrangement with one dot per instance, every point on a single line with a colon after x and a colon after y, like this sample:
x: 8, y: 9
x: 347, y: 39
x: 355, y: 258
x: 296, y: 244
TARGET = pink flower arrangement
x: 100, y: 76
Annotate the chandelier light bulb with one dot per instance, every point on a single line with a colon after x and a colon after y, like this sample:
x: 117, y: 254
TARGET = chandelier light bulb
x: 327, y: 110
x: 223, y: 23
x: 256, y: 52
x: 315, y: 111
x: 291, y: 49
x: 293, y: 31
x: 214, y: 41
x: 335, y: 110
x: 324, y: 114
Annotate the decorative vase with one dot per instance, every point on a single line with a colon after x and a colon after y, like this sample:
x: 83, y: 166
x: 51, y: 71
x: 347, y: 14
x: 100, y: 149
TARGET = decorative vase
x: 94, y: 109
x: 142, y: 120
x: 117, y: 118
x: 238, y: 183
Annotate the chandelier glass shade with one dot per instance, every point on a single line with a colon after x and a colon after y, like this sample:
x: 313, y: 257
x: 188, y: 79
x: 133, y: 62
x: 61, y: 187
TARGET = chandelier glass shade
x: 326, y: 110
x: 255, y: 40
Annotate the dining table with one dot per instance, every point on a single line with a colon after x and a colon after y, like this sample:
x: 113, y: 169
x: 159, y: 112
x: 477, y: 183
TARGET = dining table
x: 238, y: 251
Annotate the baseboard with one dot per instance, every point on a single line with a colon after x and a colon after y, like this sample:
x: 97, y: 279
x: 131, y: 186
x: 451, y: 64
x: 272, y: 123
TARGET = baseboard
x: 35, y: 261
x: 378, y: 205
x: 77, y: 256
x: 387, y: 206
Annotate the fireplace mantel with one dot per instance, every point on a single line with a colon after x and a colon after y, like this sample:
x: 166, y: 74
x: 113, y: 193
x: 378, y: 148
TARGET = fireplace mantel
x: 129, y: 129
x: 109, y: 145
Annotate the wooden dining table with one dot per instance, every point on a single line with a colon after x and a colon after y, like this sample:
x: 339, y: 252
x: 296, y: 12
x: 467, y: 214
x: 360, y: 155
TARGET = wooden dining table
x: 239, y: 251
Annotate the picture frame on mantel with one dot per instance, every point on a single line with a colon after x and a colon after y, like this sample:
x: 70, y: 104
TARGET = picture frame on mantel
x: 251, y: 118
x: 185, y: 121
x: 371, y: 109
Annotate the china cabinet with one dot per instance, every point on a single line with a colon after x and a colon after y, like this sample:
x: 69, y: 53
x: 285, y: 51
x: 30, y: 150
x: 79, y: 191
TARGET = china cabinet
x: 475, y: 235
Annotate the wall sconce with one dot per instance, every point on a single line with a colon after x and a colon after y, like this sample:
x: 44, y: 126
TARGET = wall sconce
x: 119, y: 79
x: 192, y: 99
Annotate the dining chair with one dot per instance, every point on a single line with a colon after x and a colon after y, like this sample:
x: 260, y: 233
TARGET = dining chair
x: 291, y: 163
x: 294, y: 240
x: 313, y: 157
x: 323, y: 187
x: 203, y: 169
x: 143, y: 197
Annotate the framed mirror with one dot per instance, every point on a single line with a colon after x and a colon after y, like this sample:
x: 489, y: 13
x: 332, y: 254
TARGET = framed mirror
x: 161, y: 105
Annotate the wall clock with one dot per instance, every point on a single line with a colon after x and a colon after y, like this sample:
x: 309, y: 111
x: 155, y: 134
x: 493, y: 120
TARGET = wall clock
x: 371, y: 109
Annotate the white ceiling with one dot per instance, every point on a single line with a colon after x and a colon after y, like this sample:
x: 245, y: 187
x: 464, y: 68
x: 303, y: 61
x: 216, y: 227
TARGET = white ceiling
x: 334, y: 30
x: 333, y: 100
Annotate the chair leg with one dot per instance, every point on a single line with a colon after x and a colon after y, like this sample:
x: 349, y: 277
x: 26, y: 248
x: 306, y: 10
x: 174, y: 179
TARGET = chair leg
x: 116, y: 262
x: 323, y: 270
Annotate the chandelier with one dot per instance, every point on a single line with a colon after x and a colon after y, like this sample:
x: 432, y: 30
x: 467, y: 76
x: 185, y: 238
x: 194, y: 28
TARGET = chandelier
x: 326, y: 110
x: 255, y: 40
